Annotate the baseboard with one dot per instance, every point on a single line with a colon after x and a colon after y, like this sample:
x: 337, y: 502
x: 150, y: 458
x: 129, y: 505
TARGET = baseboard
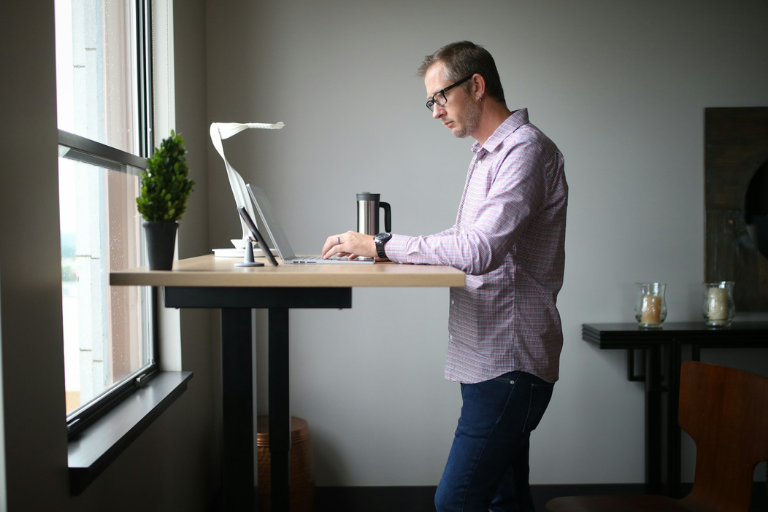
x: 374, y: 499
x: 421, y: 499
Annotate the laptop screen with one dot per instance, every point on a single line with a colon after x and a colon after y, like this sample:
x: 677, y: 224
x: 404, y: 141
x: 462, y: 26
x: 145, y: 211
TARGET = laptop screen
x: 284, y: 249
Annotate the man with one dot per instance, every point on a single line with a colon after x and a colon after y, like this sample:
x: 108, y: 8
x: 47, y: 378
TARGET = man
x: 505, y: 336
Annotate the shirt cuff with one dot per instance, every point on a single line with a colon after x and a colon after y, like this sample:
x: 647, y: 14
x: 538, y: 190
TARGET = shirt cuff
x: 395, y: 248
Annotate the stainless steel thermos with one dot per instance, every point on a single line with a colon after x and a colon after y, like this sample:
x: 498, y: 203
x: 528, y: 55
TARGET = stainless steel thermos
x: 368, y: 206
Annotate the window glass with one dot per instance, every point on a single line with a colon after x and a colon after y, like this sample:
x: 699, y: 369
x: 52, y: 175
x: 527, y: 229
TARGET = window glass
x: 96, y: 70
x: 106, y: 329
x: 100, y: 79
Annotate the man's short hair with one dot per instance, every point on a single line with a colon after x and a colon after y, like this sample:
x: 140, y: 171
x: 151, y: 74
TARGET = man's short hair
x: 462, y: 59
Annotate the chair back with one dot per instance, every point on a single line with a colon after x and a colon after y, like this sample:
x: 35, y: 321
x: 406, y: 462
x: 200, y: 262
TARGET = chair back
x: 725, y: 411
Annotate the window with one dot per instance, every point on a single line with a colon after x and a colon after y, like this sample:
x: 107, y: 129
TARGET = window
x: 104, y: 115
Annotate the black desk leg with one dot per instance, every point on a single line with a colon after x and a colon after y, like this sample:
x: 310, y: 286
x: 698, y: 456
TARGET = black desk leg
x: 673, y: 426
x: 653, y: 421
x: 279, y: 409
x: 237, y: 384
x: 696, y: 352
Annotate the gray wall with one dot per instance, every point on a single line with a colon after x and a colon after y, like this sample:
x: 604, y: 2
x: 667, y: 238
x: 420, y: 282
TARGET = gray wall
x: 32, y: 354
x: 620, y: 86
x: 172, y: 464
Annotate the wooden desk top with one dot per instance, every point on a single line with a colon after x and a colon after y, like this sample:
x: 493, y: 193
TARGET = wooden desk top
x: 211, y: 271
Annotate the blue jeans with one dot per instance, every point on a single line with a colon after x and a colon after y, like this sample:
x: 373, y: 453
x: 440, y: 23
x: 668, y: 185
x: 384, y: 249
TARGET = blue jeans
x: 487, y: 468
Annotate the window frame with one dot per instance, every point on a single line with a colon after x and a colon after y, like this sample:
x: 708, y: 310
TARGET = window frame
x: 88, y: 151
x: 91, y: 152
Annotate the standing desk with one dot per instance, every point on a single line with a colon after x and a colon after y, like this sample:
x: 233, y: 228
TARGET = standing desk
x: 659, y: 378
x: 210, y: 282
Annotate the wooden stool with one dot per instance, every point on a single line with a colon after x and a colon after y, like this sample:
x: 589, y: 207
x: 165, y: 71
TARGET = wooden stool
x: 302, y: 467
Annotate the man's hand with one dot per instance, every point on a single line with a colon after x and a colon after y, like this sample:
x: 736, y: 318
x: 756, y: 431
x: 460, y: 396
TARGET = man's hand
x: 351, y: 243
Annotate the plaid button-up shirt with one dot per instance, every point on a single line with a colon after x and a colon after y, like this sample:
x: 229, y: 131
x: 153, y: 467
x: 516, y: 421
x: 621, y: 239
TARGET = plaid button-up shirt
x: 509, y: 238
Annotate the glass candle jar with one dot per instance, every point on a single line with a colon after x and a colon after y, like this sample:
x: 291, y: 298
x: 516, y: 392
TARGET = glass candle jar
x: 718, y: 308
x: 650, y: 306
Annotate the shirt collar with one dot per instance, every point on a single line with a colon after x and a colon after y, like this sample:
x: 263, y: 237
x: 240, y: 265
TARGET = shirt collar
x: 515, y: 120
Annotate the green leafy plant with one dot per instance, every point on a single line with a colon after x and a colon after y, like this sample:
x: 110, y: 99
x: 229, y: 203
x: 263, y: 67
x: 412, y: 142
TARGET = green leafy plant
x: 165, y: 187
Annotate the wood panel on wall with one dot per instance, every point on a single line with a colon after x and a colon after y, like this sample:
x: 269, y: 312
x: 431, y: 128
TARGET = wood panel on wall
x: 736, y: 151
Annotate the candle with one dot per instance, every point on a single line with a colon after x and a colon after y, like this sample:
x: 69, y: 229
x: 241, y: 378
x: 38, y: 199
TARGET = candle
x: 651, y: 310
x: 717, y: 304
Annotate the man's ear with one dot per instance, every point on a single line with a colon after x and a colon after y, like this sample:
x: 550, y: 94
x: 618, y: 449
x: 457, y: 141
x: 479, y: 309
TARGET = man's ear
x: 478, y: 83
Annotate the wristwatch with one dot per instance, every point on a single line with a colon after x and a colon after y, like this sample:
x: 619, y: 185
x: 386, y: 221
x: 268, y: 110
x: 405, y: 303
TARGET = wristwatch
x: 381, y: 239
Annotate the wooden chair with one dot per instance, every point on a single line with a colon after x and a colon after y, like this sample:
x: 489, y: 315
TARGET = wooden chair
x: 725, y: 411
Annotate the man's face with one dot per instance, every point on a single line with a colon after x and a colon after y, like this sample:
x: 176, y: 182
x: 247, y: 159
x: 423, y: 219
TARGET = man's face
x: 460, y: 114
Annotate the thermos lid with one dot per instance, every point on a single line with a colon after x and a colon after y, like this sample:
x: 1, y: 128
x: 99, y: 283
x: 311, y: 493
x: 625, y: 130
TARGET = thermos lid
x: 367, y: 196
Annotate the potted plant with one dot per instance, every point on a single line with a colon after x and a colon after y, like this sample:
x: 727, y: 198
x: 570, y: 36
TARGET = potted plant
x: 162, y: 199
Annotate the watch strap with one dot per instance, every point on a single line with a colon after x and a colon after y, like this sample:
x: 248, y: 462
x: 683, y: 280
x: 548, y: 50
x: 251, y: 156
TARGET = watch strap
x: 381, y: 239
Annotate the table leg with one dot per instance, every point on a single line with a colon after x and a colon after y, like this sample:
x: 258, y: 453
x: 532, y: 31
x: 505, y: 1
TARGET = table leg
x: 279, y: 409
x: 631, y: 375
x: 673, y: 426
x: 237, y: 404
x: 653, y: 421
x: 695, y: 352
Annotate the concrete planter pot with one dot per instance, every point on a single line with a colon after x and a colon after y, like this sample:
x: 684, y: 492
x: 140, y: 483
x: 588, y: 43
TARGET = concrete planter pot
x: 161, y: 242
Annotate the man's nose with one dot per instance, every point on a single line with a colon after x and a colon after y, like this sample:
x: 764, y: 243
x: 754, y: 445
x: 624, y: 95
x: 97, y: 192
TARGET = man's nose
x: 437, y: 111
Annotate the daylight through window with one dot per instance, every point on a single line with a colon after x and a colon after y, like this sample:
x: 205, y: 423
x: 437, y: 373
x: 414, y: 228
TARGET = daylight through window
x: 103, y: 101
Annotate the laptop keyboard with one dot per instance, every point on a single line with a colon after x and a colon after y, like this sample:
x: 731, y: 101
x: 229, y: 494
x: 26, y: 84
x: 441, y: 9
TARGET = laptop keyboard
x: 315, y: 259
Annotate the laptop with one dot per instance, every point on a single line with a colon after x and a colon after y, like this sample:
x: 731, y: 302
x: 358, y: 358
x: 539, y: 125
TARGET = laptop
x: 282, y: 245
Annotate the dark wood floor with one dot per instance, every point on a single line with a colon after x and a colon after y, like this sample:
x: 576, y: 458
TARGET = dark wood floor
x: 420, y: 499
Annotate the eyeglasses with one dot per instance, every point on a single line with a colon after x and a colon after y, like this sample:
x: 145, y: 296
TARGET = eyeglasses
x: 439, y: 97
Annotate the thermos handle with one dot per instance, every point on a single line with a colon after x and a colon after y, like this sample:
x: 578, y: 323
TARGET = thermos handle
x: 387, y: 216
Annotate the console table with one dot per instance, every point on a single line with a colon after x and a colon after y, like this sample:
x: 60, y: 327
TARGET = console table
x: 665, y: 378
x: 209, y: 282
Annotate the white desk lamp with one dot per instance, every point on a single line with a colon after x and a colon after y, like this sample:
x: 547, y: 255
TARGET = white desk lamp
x: 221, y: 131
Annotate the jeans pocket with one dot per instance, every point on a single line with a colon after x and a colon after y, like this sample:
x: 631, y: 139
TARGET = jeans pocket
x: 540, y: 397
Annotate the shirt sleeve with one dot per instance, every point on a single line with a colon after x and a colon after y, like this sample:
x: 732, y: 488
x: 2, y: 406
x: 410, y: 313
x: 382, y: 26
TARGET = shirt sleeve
x: 479, y: 245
